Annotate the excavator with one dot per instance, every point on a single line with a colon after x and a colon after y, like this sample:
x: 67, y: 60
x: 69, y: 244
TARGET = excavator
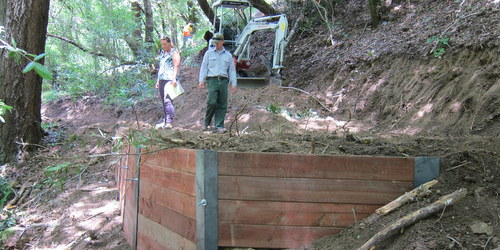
x: 233, y: 18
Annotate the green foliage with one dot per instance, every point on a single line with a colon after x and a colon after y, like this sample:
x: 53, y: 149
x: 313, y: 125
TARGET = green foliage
x: 48, y: 126
x: 311, y: 19
x: 5, y: 191
x: 121, y: 75
x: 17, y: 54
x: 118, y: 144
x: 5, y: 224
x: 274, y: 108
x: 57, y: 175
x: 57, y: 168
x: 6, y: 220
x: 3, y: 109
x: 51, y: 95
x: 129, y: 89
x: 190, y: 54
x: 440, y: 43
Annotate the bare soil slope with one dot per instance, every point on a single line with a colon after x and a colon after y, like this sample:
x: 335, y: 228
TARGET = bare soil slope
x: 374, y: 92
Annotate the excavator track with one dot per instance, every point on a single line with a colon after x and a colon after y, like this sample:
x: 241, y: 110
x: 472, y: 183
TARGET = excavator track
x: 251, y: 82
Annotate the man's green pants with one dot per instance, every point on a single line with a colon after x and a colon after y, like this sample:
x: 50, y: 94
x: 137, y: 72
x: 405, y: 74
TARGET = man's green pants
x: 217, y: 102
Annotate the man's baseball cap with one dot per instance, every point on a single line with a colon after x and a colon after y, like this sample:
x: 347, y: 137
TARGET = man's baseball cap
x: 218, y: 37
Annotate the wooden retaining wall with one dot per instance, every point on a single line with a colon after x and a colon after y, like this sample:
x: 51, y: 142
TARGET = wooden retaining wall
x: 196, y: 199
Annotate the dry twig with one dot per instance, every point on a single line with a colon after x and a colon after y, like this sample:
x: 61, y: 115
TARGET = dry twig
x: 313, y: 97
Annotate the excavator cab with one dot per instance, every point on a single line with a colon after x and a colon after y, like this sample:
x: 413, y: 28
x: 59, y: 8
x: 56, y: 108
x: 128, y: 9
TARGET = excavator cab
x: 234, y: 19
x: 230, y: 17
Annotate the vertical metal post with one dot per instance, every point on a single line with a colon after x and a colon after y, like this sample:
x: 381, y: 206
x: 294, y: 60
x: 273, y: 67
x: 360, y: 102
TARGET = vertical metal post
x: 425, y: 169
x: 207, y: 233
x: 136, y: 197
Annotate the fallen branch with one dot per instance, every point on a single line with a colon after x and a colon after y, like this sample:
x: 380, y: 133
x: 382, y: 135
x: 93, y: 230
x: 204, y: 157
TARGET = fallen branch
x: 418, y: 215
x: 313, y: 97
x: 408, y: 196
x: 80, y: 46
x: 460, y: 165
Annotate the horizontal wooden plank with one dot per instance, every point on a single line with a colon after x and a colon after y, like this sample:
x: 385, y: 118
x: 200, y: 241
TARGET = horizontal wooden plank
x: 175, y: 158
x: 176, y: 201
x: 183, y: 182
x: 316, y: 166
x: 146, y: 243
x: 175, y: 222
x: 256, y: 236
x: 162, y: 236
x: 310, y: 190
x: 292, y: 213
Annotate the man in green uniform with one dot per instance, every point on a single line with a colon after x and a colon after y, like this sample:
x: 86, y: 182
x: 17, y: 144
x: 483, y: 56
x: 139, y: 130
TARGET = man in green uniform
x: 217, y: 71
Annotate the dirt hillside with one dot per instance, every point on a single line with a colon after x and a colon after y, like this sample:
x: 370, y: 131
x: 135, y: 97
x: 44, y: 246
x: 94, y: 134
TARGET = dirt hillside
x: 372, y: 92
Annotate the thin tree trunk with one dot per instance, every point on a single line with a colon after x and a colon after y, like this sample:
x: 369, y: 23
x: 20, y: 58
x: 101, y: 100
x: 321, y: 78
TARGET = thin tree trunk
x: 148, y: 10
x: 207, y: 10
x: 134, y: 40
x: 26, y: 22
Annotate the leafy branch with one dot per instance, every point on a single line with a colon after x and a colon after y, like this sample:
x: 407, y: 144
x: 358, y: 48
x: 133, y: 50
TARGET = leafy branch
x: 18, y: 54
x: 3, y: 109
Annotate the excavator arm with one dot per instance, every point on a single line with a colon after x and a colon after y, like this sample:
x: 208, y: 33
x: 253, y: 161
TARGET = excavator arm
x: 279, y: 24
x: 233, y: 19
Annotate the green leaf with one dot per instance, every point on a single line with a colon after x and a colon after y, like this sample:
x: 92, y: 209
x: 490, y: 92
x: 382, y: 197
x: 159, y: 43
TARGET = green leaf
x: 43, y: 72
x: 39, y: 57
x: 22, y: 51
x: 14, y: 44
x: 444, y: 41
x: 29, y: 67
x: 58, y: 167
x: 12, y: 54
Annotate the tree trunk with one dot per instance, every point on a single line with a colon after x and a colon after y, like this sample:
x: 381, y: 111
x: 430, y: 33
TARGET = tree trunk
x: 148, y: 10
x: 192, y: 14
x: 26, y: 22
x: 265, y: 8
x: 372, y: 5
x: 134, y: 41
x: 207, y: 10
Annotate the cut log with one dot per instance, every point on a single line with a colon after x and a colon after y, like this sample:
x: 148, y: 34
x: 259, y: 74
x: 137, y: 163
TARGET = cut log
x: 418, y: 215
x: 418, y: 191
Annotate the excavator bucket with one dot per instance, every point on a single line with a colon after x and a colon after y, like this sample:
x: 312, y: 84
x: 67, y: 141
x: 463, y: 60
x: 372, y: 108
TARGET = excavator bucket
x: 251, y: 82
